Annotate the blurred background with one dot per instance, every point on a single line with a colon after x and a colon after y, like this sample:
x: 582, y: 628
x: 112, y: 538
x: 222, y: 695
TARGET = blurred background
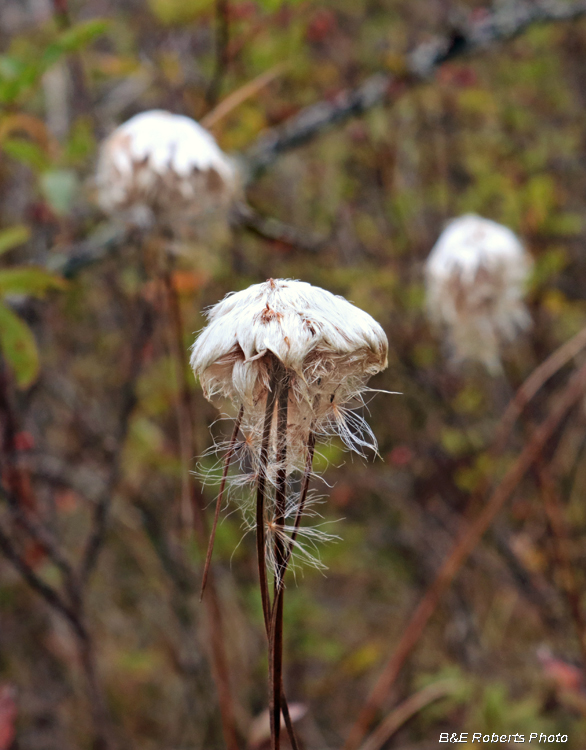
x: 103, y: 640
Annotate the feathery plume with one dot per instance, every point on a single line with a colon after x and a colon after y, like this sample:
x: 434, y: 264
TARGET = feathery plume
x: 475, y: 279
x: 163, y: 167
x: 327, y: 348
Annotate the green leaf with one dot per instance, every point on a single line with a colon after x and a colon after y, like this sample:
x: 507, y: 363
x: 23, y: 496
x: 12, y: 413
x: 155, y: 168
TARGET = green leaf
x: 59, y: 188
x: 16, y: 75
x: 18, y: 347
x: 271, y: 5
x: 72, y: 40
x: 179, y: 11
x: 12, y: 237
x: 26, y: 152
x: 34, y: 281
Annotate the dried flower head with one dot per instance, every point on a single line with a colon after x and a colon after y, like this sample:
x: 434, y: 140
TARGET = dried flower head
x: 475, y: 278
x: 164, y: 167
x: 326, y: 347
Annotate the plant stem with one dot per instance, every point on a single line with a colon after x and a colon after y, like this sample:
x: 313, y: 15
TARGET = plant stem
x: 193, y: 506
x: 276, y: 630
x: 260, y: 495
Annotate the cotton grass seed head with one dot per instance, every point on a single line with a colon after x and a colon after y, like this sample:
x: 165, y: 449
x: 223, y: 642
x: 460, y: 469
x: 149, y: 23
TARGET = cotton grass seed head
x: 164, y: 168
x: 325, y: 348
x: 475, y: 280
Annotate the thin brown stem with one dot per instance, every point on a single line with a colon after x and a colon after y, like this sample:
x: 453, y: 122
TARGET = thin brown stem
x: 260, y: 496
x: 193, y: 506
x: 222, y: 51
x: 529, y: 389
x: 219, y: 500
x: 128, y: 399
x: 276, y: 629
x: 183, y: 402
x: 406, y: 710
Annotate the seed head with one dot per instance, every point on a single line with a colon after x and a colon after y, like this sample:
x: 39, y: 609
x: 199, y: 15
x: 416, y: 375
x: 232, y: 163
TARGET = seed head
x: 475, y: 279
x: 163, y: 167
x: 326, y: 347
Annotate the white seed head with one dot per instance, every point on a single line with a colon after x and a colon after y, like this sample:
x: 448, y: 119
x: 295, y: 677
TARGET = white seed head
x: 164, y: 167
x: 475, y: 281
x: 327, y: 348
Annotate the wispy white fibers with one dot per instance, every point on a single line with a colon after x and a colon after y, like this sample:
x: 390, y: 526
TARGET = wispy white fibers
x: 329, y: 348
x: 475, y: 279
x: 324, y: 350
x: 165, y: 166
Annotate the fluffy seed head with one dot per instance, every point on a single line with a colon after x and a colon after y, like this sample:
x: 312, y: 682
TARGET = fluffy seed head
x: 163, y: 167
x: 326, y: 348
x: 475, y: 280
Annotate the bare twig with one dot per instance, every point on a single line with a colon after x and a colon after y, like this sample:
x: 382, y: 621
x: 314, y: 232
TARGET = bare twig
x: 191, y: 508
x: 128, y: 401
x: 48, y: 593
x: 546, y: 370
x: 492, y: 27
x: 274, y: 230
x: 105, y: 241
x: 185, y: 414
x: 222, y: 51
x: 461, y: 550
x: 406, y: 710
x: 239, y: 96
x: 81, y: 97
x: 23, y: 508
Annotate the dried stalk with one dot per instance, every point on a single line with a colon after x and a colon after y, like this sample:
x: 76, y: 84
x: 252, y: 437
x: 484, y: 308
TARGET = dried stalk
x: 260, y: 497
x: 193, y: 506
x: 273, y: 615
x: 406, y: 710
x: 276, y: 629
x: 531, y: 387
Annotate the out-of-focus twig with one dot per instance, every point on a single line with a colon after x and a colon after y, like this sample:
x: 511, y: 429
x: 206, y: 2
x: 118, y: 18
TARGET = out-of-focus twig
x: 128, y: 398
x: 236, y: 98
x: 275, y: 230
x: 487, y: 30
x: 81, y: 96
x: 546, y: 370
x: 405, y: 710
x: 48, y: 593
x: 461, y: 550
x: 69, y: 603
x: 196, y: 506
x: 222, y: 51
